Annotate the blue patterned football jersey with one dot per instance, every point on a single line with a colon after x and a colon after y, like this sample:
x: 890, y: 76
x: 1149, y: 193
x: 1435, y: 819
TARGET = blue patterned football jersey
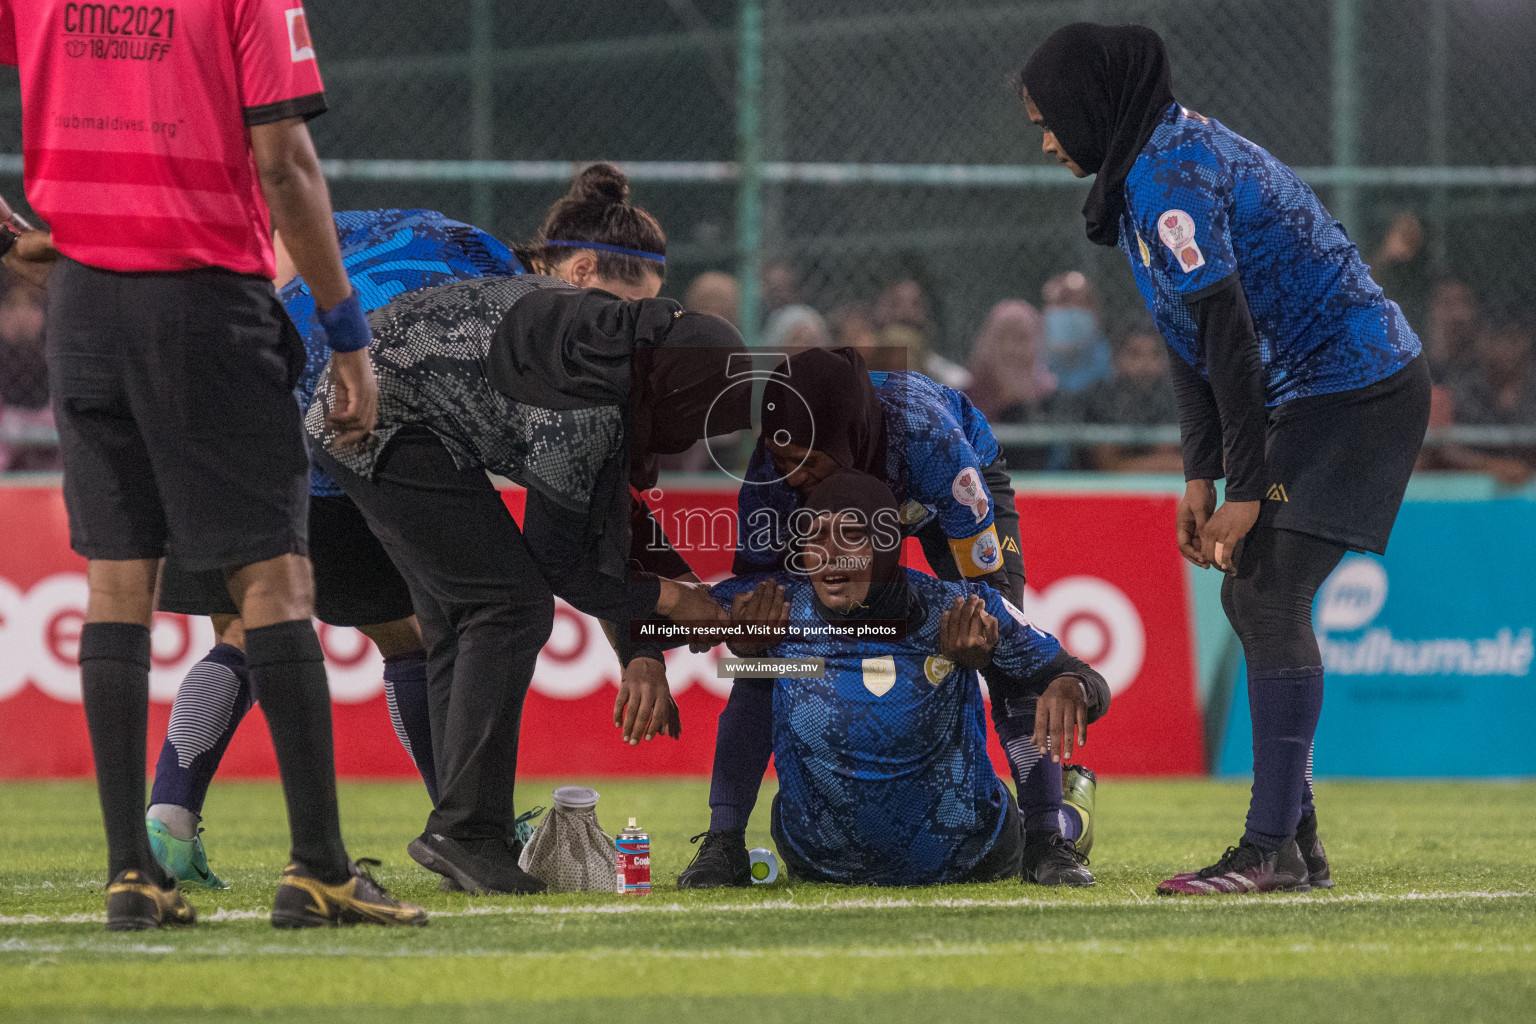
x: 1202, y: 202
x: 389, y: 253
x: 938, y: 444
x: 883, y: 771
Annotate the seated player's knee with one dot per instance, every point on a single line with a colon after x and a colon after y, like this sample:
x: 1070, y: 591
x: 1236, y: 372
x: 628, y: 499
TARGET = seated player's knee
x: 1013, y: 713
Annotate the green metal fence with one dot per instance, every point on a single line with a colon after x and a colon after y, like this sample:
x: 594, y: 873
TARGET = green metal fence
x: 853, y: 142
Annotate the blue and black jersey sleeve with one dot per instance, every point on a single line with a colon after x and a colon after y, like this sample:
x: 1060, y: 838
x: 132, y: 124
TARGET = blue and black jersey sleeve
x: 1236, y: 373
x: 1027, y: 658
x: 1181, y: 204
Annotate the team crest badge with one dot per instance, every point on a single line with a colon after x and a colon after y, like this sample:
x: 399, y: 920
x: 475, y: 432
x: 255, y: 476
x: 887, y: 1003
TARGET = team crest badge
x: 879, y: 674
x: 1177, y: 231
x: 913, y: 512
x: 937, y: 668
x: 968, y: 491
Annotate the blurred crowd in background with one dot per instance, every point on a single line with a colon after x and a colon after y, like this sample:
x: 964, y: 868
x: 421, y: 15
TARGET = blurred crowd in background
x: 1059, y: 357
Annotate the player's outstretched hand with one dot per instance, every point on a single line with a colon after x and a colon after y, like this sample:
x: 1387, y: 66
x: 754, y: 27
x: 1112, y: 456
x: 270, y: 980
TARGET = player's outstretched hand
x: 355, y: 409
x: 763, y: 606
x: 1061, y: 716
x: 1224, y: 532
x: 1195, y: 510
x: 967, y: 633
x: 644, y: 706
x: 692, y: 603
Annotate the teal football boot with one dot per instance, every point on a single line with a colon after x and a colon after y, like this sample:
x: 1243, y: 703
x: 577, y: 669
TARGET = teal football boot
x: 184, y: 858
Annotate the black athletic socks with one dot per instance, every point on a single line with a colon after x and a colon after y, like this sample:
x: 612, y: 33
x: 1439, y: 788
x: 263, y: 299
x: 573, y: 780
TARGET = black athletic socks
x: 288, y: 680
x: 114, y: 680
x: 1284, y: 706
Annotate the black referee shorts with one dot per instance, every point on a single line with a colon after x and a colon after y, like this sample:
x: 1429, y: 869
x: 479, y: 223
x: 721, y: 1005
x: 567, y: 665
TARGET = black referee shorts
x: 356, y: 584
x: 180, y: 435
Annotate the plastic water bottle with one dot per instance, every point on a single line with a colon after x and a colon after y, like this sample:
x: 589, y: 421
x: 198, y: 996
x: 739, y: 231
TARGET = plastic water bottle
x: 765, y: 866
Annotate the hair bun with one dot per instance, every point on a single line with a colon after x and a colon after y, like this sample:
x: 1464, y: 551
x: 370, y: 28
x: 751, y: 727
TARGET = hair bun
x: 601, y: 183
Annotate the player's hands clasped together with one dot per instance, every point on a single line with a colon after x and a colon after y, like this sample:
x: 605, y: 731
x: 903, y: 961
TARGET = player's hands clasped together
x: 1061, y: 716
x: 967, y: 633
x: 1225, y: 531
x: 1209, y: 535
x: 644, y: 706
x: 763, y: 606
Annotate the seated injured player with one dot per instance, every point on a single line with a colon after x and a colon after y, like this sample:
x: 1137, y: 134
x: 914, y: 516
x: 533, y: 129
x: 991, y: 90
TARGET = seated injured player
x: 884, y: 777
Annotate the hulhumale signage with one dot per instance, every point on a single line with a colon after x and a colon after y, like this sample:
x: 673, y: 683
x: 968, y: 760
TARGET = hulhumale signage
x: 1429, y: 652
x: 1353, y: 644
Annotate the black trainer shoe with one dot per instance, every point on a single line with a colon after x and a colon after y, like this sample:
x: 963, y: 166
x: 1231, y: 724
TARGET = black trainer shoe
x: 1243, y: 869
x: 447, y: 884
x: 481, y: 867
x: 722, y: 860
x: 136, y: 904
x: 1051, y: 859
x: 303, y: 901
x: 1313, y: 854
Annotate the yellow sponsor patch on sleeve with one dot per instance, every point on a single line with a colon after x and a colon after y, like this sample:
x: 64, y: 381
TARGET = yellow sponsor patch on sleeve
x: 978, y: 555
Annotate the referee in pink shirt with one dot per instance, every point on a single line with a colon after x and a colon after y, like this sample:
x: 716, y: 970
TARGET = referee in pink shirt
x: 162, y: 145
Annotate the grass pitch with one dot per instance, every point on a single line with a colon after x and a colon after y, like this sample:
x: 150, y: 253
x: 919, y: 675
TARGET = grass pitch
x: 1433, y: 919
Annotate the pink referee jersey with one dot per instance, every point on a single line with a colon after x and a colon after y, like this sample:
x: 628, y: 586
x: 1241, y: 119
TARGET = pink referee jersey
x: 135, y: 124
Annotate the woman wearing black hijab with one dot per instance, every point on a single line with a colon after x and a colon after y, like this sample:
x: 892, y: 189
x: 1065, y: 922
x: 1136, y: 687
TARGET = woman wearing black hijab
x: 531, y: 379
x: 1297, y: 379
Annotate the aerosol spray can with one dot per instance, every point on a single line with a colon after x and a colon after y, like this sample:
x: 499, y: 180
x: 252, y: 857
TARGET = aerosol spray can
x: 633, y: 874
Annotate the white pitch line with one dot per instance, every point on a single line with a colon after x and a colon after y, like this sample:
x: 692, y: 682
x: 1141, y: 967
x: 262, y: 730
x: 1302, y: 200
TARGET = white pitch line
x: 937, y: 949
x: 860, y: 903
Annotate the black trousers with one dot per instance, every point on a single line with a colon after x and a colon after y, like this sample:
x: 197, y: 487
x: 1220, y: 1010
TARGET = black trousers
x: 485, y: 612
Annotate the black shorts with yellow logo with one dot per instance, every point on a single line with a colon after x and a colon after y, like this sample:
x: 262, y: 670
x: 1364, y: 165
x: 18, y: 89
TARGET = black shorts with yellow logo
x: 1339, y: 464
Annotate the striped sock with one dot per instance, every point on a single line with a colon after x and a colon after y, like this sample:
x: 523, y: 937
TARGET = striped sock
x: 212, y: 701
x: 405, y: 689
x: 1307, y: 806
x: 1037, y: 777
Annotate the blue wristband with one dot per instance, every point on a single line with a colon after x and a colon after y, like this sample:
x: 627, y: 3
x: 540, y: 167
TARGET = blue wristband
x: 346, y: 328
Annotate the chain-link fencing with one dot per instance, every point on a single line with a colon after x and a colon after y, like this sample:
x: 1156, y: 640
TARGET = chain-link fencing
x: 821, y: 151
